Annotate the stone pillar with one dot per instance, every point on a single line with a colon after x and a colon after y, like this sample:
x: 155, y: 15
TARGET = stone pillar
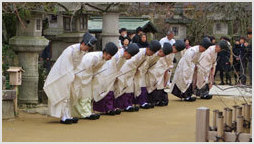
x: 28, y: 43
x: 110, y: 28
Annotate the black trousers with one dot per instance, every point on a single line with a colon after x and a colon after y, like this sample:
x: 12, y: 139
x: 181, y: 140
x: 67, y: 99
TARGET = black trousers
x: 158, y: 96
x: 203, y: 91
x: 177, y: 92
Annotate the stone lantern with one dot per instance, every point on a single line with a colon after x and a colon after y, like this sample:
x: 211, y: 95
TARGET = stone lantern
x: 28, y: 43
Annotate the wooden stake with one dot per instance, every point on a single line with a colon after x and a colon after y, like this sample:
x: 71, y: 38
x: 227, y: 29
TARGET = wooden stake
x: 251, y: 109
x: 202, y: 124
x: 218, y: 115
x: 247, y: 112
x: 234, y: 112
x: 16, y: 101
x: 225, y: 115
x: 220, y: 128
x: 239, y: 124
x: 247, y: 118
x: 243, y: 110
x: 238, y: 111
x: 229, y: 119
x: 215, y: 115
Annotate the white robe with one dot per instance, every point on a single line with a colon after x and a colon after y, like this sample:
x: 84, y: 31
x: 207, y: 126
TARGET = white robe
x: 156, y: 72
x: 107, y: 80
x: 128, y: 71
x: 185, y: 69
x: 91, y: 66
x: 60, y: 79
x: 207, y: 62
x: 141, y: 70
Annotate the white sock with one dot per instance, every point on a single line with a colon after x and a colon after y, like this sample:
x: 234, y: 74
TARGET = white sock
x: 144, y: 104
x: 128, y: 107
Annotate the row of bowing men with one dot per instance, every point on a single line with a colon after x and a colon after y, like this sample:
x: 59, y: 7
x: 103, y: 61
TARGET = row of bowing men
x: 84, y: 85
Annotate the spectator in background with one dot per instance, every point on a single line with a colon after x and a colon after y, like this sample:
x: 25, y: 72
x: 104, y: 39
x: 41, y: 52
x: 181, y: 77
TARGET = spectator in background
x: 249, y: 53
x: 123, y: 35
x: 223, y: 64
x: 213, y: 40
x: 137, y: 37
x: 187, y: 43
x: 169, y: 38
x: 46, y: 58
x: 125, y: 43
x: 143, y: 41
x: 236, y: 60
x: 243, y: 61
x: 130, y: 36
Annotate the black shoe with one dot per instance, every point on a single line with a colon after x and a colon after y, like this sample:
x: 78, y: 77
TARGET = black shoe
x: 74, y: 120
x: 190, y: 99
x: 67, y: 121
x: 151, y: 105
x: 131, y: 109
x: 98, y: 116
x: 197, y: 92
x: 136, y: 108
x: 117, y: 111
x: 93, y: 117
x: 146, y: 106
x: 162, y: 103
x: 165, y: 103
x: 159, y: 104
x: 207, y: 96
x: 112, y: 113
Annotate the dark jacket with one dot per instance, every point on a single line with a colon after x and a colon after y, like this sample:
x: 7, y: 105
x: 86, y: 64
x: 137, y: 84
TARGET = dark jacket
x: 136, y: 39
x: 46, y: 52
x: 143, y: 44
x: 249, y: 52
x: 223, y: 61
x: 243, y: 52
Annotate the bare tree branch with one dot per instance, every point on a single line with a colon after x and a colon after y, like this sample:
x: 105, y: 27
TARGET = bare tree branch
x: 17, y: 14
x: 92, y: 6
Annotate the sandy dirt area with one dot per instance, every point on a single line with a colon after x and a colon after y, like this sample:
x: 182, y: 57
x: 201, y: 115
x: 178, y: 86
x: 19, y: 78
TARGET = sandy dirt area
x: 175, y: 122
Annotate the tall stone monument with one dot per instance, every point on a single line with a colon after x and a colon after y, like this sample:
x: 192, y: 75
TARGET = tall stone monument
x: 28, y: 43
x: 110, y: 28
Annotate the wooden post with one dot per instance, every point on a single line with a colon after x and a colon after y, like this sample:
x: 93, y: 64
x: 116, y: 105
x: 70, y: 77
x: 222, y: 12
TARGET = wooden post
x: 247, y: 112
x: 215, y: 115
x: 16, y: 101
x: 225, y: 115
x: 243, y: 110
x: 239, y: 124
x: 229, y: 119
x: 218, y: 115
x: 202, y: 124
x: 250, y: 109
x: 220, y: 127
x: 234, y: 112
x: 247, y: 117
x: 238, y: 111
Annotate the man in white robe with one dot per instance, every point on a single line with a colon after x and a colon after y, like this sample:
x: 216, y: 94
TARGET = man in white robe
x: 206, y: 69
x: 124, y: 88
x: 158, y: 73
x: 183, y: 78
x: 90, y: 67
x: 59, y: 82
x: 104, y: 99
